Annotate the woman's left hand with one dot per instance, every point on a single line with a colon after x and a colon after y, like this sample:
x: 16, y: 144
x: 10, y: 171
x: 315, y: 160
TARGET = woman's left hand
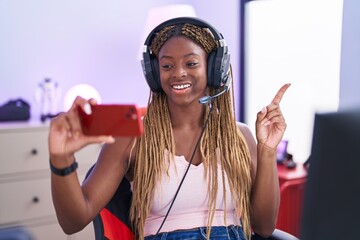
x: 270, y: 123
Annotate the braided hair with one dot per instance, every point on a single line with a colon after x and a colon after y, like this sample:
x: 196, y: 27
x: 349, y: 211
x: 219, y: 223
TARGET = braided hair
x: 222, y: 141
x: 200, y: 35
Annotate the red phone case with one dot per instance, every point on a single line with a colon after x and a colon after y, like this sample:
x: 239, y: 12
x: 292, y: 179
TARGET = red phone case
x: 118, y: 120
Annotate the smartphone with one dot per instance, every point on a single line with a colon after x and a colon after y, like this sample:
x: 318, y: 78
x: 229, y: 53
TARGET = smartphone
x: 117, y: 120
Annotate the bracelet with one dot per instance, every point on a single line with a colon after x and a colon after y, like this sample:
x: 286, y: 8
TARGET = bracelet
x: 64, y: 171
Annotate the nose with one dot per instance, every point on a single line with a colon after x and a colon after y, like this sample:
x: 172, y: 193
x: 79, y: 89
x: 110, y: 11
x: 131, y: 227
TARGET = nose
x: 179, y: 72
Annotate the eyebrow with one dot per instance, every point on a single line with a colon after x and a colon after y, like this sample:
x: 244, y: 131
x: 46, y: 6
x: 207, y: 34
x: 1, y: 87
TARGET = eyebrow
x: 186, y: 55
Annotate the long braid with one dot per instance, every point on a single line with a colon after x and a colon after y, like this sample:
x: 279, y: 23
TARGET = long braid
x: 222, y: 140
x: 149, y: 160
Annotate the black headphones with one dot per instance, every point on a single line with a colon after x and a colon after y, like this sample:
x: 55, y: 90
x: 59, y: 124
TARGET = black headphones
x: 218, y: 62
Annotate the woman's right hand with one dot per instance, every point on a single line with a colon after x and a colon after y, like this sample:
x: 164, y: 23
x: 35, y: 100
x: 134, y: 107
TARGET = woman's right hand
x: 66, y: 136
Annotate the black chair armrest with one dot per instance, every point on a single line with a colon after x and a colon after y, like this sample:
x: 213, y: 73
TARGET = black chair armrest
x: 276, y: 235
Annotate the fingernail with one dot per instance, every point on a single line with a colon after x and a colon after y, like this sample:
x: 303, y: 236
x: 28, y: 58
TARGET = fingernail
x: 87, y: 108
x: 266, y: 123
x: 263, y: 109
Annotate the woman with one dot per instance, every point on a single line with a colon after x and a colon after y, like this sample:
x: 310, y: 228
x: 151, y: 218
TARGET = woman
x: 195, y: 172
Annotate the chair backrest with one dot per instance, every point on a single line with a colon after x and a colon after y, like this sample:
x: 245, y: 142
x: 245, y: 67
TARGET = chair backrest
x: 112, y: 222
x: 290, y: 211
x: 276, y: 235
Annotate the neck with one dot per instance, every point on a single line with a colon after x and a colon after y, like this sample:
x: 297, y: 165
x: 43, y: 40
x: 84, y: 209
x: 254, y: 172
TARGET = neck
x: 187, y: 116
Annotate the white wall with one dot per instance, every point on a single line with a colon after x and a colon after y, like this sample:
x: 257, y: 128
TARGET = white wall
x: 97, y: 42
x: 350, y: 56
x: 93, y: 42
x: 296, y: 41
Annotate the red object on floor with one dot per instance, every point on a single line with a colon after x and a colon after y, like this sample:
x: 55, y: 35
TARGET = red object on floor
x: 292, y: 185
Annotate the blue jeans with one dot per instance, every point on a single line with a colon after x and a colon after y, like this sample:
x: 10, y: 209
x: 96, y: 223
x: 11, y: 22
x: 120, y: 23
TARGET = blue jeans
x: 218, y: 233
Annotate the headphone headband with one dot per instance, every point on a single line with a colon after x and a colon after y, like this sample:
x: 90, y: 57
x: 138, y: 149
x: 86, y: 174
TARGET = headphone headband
x: 182, y: 20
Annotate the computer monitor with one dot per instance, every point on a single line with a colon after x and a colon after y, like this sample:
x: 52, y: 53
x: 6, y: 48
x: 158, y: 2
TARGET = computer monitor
x: 331, y: 206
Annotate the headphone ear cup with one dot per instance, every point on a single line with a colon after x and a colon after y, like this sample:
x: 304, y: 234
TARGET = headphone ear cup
x: 218, y: 68
x: 210, y: 69
x: 151, y: 71
x: 156, y: 75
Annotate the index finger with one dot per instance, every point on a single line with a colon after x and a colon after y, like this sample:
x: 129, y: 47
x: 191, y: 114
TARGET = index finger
x: 82, y: 103
x: 280, y: 93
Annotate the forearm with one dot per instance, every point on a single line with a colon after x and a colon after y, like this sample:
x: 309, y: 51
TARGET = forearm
x: 265, y: 198
x: 69, y: 201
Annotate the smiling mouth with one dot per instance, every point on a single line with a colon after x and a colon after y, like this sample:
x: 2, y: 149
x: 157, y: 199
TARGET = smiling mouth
x: 181, y: 86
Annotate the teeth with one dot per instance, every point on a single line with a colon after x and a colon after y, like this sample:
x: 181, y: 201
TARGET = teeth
x: 182, y: 86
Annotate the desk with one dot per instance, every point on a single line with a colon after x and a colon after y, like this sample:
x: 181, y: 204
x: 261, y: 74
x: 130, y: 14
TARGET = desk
x: 292, y: 183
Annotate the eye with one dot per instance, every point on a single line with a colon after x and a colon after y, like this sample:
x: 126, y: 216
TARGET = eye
x: 192, y: 64
x: 166, y: 66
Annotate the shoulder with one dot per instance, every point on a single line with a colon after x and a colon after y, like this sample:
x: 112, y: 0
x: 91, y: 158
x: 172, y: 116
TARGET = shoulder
x: 250, y: 140
x: 245, y: 130
x: 242, y: 125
